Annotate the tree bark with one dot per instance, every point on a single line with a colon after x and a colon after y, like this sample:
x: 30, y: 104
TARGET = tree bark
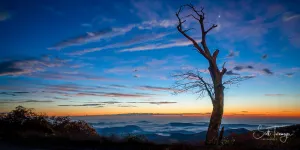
x: 217, y: 113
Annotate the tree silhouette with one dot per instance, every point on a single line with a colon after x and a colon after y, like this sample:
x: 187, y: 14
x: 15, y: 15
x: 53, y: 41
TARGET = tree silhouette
x: 192, y: 80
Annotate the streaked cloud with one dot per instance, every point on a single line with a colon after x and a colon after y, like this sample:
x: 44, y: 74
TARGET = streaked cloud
x: 233, y: 54
x: 81, y: 65
x: 13, y: 93
x: 230, y: 73
x: 4, y: 15
x: 275, y: 95
x: 264, y: 56
x: 267, y: 71
x: 155, y: 88
x: 238, y: 68
x: 81, y: 105
x: 86, y: 25
x: 27, y: 66
x: 108, y: 33
x: 26, y: 101
x: 82, y: 39
x: 93, y: 37
x: 289, y: 74
x: 157, y: 23
x: 60, y: 98
x: 155, y: 103
x: 110, y: 102
x: 118, y: 86
x: 70, y: 77
x: 133, y: 41
x: 158, y: 46
x: 112, y: 94
x: 288, y: 16
x: 123, y: 95
x: 126, y: 106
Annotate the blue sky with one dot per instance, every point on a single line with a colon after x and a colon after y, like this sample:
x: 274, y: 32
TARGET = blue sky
x: 108, y: 57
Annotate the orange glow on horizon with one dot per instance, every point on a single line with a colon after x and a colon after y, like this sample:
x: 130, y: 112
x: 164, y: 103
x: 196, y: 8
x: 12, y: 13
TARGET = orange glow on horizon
x: 171, y: 110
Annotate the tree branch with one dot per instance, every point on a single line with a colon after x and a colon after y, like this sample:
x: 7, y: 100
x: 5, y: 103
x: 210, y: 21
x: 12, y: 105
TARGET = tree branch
x: 236, y: 80
x: 183, y: 32
x: 215, y: 54
x: 212, y: 27
x: 224, y: 70
x: 190, y: 80
x: 201, y: 21
x: 192, y: 16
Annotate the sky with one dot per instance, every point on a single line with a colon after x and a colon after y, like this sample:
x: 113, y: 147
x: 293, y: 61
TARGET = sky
x: 90, y: 57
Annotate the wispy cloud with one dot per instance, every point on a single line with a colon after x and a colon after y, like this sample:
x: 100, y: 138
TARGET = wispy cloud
x: 157, y: 23
x: 60, y: 98
x: 125, y: 69
x: 264, y: 56
x: 109, y: 33
x: 123, y: 95
x: 154, y: 88
x: 110, y: 102
x: 27, y: 101
x: 81, y: 65
x: 274, y: 94
x: 37, y: 101
x: 288, y: 16
x: 112, y: 94
x: 93, y: 37
x: 158, y: 46
x: 267, y: 71
x: 254, y: 68
x: 233, y: 54
x: 27, y: 66
x: 13, y: 93
x: 83, y: 39
x: 70, y: 77
x: 126, y: 106
x: 133, y: 41
x: 118, y: 86
x: 238, y: 68
x: 4, y: 15
x: 289, y: 74
x: 86, y: 25
x: 81, y: 105
x: 230, y: 73
x: 155, y: 103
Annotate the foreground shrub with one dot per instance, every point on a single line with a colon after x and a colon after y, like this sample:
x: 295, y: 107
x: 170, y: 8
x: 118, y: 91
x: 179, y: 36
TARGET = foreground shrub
x: 25, y: 122
x: 135, y: 138
x: 65, y: 126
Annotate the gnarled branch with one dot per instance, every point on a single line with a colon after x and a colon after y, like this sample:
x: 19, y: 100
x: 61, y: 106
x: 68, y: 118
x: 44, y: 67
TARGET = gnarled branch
x: 190, y: 80
x: 224, y: 70
x: 183, y: 32
x: 236, y: 80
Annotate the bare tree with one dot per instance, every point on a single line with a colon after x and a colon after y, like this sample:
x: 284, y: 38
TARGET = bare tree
x: 192, y: 80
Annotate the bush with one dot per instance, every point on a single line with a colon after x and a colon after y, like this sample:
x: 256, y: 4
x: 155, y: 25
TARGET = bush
x: 135, y: 138
x: 25, y: 122
x: 64, y: 126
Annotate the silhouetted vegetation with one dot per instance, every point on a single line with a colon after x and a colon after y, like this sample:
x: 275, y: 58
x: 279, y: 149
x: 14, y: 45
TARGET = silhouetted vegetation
x: 22, y: 128
x: 24, y: 122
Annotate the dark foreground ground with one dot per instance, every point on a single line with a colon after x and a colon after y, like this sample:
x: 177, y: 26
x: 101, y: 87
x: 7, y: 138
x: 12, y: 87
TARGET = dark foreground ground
x: 232, y: 142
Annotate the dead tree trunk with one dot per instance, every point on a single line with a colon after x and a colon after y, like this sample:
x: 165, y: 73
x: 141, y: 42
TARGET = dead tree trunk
x: 217, y: 93
x: 212, y: 135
